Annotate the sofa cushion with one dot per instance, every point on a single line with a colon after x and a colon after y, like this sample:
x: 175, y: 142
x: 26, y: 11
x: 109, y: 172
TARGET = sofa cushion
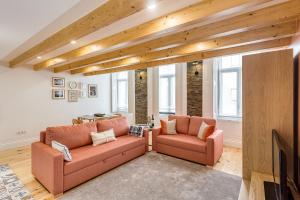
x: 120, y: 125
x: 183, y: 141
x: 103, y: 137
x: 182, y: 123
x: 168, y: 127
x: 89, y: 155
x: 71, y: 136
x: 195, y: 123
x: 205, y: 131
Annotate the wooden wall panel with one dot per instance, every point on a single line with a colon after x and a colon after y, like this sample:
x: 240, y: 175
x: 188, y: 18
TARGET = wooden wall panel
x: 267, y: 105
x: 297, y: 173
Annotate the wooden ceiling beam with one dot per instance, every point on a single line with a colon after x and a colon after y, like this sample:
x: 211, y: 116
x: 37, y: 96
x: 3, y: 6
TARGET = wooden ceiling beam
x: 195, y: 13
x: 266, y: 33
x: 279, y: 43
x: 266, y: 16
x: 104, y: 15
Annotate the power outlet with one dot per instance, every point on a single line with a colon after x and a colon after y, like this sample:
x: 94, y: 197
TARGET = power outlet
x: 21, y: 132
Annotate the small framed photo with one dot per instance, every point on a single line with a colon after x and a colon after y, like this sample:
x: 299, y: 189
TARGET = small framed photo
x: 73, y: 85
x: 58, y: 94
x: 93, y: 91
x: 58, y: 82
x: 72, y: 95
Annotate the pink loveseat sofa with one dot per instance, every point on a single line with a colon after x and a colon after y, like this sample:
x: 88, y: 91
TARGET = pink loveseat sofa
x: 57, y: 175
x: 186, y: 144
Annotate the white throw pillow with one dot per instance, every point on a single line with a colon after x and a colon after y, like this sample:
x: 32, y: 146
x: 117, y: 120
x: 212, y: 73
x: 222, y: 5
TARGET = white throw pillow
x: 202, y: 130
x: 169, y: 127
x: 62, y: 148
x: 103, y: 137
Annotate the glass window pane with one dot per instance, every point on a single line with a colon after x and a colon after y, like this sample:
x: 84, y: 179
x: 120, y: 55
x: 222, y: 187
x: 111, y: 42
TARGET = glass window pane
x: 236, y: 61
x: 226, y: 62
x: 122, y: 75
x: 172, y: 87
x: 120, y: 91
x: 167, y: 89
x: 229, y: 99
x: 163, y: 95
x: 228, y: 92
x: 167, y: 70
x: 122, y: 95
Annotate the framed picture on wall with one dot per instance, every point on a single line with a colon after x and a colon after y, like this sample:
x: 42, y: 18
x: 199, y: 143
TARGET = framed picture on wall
x: 58, y: 82
x: 73, y: 85
x: 73, y: 95
x: 93, y: 91
x: 58, y: 94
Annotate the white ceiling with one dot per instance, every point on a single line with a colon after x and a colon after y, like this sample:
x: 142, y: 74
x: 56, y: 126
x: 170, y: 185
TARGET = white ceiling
x: 21, y: 19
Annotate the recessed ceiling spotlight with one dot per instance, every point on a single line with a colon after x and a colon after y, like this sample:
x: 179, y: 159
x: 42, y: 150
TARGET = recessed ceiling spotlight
x: 73, y: 42
x: 95, y: 47
x: 151, y: 6
x: 39, y: 57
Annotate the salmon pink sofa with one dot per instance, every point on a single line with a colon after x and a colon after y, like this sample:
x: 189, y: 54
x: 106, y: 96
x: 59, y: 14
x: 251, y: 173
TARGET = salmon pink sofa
x: 186, y: 145
x: 57, y: 175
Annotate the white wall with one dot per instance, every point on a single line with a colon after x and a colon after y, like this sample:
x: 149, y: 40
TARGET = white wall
x: 181, y: 89
x: 27, y: 105
x: 131, y: 97
x: 232, y: 129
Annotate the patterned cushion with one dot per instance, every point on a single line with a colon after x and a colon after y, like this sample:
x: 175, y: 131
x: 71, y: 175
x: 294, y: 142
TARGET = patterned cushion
x: 136, y: 131
x: 62, y: 148
x: 103, y: 137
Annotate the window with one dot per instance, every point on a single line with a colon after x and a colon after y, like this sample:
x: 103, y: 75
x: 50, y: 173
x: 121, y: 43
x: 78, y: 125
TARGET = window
x: 120, y: 92
x: 167, y: 89
x: 228, y: 76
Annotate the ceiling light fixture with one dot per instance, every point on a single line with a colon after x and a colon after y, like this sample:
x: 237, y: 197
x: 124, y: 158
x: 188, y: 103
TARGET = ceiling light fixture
x: 95, y: 47
x: 172, y: 22
x: 152, y: 6
x: 73, y: 42
x: 39, y: 57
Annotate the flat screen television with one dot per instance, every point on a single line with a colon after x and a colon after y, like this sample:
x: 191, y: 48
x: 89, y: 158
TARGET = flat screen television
x: 278, y: 189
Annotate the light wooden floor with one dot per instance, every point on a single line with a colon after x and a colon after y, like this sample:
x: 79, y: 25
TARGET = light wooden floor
x: 19, y: 160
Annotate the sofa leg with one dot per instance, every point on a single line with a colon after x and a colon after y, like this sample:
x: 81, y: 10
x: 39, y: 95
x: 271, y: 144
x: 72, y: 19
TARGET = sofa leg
x: 58, y: 195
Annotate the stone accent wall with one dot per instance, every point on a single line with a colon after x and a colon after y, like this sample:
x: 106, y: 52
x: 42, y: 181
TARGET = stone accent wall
x: 194, y: 89
x: 141, y: 111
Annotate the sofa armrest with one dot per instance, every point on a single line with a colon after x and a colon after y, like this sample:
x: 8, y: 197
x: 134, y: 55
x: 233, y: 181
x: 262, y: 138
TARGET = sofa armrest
x: 155, y: 133
x: 146, y: 135
x: 47, y: 166
x: 214, y: 147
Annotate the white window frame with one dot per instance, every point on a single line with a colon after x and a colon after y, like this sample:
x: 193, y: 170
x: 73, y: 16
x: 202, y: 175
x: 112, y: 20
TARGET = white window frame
x: 115, y: 81
x: 169, y: 78
x: 218, y: 70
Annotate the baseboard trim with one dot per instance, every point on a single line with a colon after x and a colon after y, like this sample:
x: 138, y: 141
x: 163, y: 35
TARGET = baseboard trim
x: 233, y: 143
x: 18, y: 143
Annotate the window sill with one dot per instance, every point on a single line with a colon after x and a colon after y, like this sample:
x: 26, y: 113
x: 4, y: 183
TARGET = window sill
x: 166, y: 113
x: 231, y: 119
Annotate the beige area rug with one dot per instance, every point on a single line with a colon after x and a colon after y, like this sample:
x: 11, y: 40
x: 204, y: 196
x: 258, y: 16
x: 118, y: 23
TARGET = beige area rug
x: 159, y: 177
